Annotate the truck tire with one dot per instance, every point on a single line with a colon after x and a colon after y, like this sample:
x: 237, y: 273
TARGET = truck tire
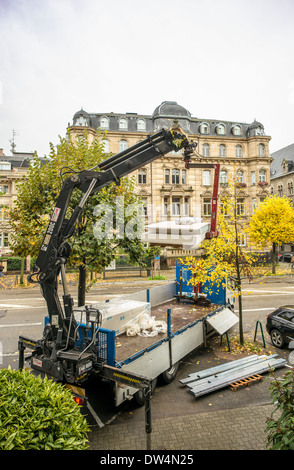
x: 139, y: 396
x: 169, y: 375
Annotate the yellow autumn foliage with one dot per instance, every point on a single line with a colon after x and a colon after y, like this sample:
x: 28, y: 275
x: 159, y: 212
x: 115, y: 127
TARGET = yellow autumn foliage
x: 273, y: 222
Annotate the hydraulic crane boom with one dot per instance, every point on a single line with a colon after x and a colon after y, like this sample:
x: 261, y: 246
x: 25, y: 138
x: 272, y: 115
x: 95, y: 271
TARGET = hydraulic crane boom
x: 55, y: 249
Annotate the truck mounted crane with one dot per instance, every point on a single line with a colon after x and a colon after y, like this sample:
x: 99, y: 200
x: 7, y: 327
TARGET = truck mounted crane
x: 57, y: 353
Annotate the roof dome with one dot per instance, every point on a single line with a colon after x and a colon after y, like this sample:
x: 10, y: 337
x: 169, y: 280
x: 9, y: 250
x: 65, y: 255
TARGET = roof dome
x: 255, y: 124
x: 81, y: 118
x: 255, y: 128
x: 170, y: 108
x: 81, y: 112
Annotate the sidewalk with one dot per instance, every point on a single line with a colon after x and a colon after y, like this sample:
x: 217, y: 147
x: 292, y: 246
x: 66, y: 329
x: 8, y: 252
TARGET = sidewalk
x: 235, y: 429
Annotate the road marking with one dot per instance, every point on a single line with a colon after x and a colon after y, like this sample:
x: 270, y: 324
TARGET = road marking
x: 21, y: 324
x: 268, y: 291
x: 255, y: 309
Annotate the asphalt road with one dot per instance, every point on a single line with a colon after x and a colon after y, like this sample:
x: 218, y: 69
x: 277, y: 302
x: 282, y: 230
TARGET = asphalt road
x: 22, y: 312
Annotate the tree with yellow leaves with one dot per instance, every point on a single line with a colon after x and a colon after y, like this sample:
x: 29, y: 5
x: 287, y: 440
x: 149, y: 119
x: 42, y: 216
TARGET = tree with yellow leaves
x: 224, y: 256
x: 273, y: 224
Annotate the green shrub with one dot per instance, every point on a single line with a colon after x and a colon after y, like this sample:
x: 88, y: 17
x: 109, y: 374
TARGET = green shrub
x: 38, y: 414
x: 280, y: 425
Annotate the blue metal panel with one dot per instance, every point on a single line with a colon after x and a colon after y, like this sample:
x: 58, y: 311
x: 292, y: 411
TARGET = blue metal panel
x: 217, y: 295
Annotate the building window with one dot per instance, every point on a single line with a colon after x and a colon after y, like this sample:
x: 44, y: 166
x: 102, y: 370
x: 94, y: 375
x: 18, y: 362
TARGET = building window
x: 240, y: 206
x: 123, y: 124
x: 176, y: 176
x: 105, y: 143
x: 223, y: 177
x: 5, y: 166
x: 206, y: 177
x: 186, y: 207
x: 254, y: 204
x: 240, y: 176
x: 237, y: 130
x: 280, y: 190
x: 290, y: 188
x: 206, y: 207
x: 184, y: 176
x: 262, y: 175
x: 104, y: 123
x: 145, y: 206
x: 165, y: 206
x: 142, y: 176
x: 176, y: 206
x: 221, y: 130
x: 238, y: 151
x: 123, y: 145
x: 204, y: 128
x: 253, y: 178
x: 223, y: 207
x: 222, y: 150
x: 167, y: 176
x: 141, y: 125
x: 205, y: 150
x: 4, y: 240
x: 261, y: 151
x: 242, y: 239
x: 4, y: 212
x: 4, y: 189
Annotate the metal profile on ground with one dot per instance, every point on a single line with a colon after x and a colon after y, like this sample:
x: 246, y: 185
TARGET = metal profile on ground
x: 217, y: 369
x: 232, y: 372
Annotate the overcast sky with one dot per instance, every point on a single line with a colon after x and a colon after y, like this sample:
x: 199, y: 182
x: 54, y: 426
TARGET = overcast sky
x: 220, y: 59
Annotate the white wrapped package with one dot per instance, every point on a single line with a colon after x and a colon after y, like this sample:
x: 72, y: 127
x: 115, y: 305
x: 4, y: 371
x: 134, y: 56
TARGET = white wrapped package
x: 117, y: 314
x: 145, y: 325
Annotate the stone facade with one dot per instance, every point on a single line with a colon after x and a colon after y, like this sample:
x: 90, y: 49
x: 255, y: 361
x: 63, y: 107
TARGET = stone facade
x: 282, y: 179
x: 168, y: 190
x: 12, y: 170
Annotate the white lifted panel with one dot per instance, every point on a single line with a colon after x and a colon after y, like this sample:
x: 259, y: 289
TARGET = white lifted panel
x: 223, y: 321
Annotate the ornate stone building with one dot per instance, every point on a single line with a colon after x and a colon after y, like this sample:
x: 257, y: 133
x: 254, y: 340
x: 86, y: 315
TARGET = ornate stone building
x: 282, y: 179
x: 170, y: 191
x: 12, y: 170
x: 282, y: 172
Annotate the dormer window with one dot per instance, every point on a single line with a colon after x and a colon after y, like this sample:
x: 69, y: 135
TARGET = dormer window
x: 237, y: 130
x: 104, y: 123
x: 123, y: 124
x: 141, y: 125
x: 204, y: 128
x: 259, y: 131
x: 221, y: 129
x: 81, y: 121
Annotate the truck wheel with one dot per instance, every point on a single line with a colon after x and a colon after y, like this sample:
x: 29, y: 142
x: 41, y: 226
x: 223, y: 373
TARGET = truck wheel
x: 169, y: 374
x: 139, y: 396
x: 277, y: 338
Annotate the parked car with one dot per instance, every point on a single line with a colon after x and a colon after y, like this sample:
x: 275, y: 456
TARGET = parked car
x: 280, y: 325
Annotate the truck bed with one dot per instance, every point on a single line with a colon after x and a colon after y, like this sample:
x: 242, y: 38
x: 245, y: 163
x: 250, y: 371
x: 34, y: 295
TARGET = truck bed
x: 182, y: 314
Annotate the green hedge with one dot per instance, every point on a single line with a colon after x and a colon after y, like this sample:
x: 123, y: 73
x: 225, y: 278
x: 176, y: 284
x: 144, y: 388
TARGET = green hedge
x: 38, y: 414
x: 14, y: 262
